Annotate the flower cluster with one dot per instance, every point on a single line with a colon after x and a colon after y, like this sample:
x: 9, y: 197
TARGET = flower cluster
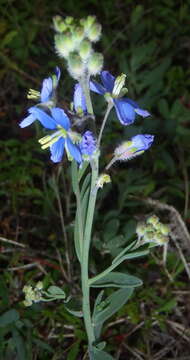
x: 32, y: 294
x: 73, y: 42
x: 54, y: 118
x: 153, y: 231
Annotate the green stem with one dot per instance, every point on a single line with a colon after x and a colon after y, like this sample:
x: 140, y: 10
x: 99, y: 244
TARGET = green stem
x: 85, y: 257
x: 110, y: 105
x: 79, y: 218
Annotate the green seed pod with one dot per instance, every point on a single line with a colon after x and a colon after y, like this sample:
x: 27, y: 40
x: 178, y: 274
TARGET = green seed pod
x: 59, y: 24
x: 75, y: 66
x: 85, y: 49
x: 95, y: 63
x: 94, y: 32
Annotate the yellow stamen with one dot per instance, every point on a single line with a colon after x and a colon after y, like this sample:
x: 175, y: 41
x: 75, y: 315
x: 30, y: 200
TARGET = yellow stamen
x: 51, y: 142
x: 33, y: 94
x: 44, y: 139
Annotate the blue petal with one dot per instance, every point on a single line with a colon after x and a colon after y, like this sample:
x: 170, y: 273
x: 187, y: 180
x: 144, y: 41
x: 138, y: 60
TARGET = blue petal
x: 141, y: 112
x: 97, y: 88
x: 131, y: 102
x: 79, y: 98
x: 74, y: 150
x: 61, y: 118
x: 108, y: 80
x: 47, y: 90
x: 47, y: 121
x: 137, y: 108
x: 125, y: 111
x: 27, y: 121
x: 57, y: 73
x: 142, y: 142
x: 57, y: 150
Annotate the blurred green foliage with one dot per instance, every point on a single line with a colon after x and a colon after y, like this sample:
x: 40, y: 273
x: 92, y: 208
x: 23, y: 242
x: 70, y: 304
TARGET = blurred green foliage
x: 149, y: 43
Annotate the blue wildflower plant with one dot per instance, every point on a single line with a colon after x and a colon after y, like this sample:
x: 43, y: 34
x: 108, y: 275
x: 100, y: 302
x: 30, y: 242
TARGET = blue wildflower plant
x: 67, y: 131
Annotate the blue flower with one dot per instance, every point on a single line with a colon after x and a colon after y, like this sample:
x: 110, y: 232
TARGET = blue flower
x: 126, y: 108
x: 88, y: 143
x: 62, y: 139
x: 47, y: 96
x: 49, y: 86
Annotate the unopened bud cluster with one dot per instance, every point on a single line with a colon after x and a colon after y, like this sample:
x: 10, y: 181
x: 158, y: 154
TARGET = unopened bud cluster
x: 73, y: 42
x: 32, y: 294
x: 153, y: 231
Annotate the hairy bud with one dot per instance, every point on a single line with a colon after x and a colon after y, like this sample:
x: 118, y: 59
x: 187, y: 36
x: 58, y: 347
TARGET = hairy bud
x: 75, y: 66
x: 59, y: 24
x: 95, y: 63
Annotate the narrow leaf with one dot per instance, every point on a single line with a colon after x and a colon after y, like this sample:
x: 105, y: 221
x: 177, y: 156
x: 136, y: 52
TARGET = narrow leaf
x: 117, y: 279
x: 110, y: 306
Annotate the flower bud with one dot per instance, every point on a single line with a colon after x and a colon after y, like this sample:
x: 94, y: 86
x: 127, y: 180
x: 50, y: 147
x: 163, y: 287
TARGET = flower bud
x: 85, y: 49
x: 126, y: 151
x: 153, y: 220
x: 118, y: 85
x: 64, y: 44
x: 94, y: 32
x: 78, y: 35
x: 75, y: 66
x: 95, y: 63
x: 160, y: 239
x: 69, y: 20
x: 39, y: 285
x: 149, y: 228
x: 164, y: 229
x: 59, y: 24
x: 103, y: 179
x: 149, y: 236
x: 141, y: 229
x: 88, y: 22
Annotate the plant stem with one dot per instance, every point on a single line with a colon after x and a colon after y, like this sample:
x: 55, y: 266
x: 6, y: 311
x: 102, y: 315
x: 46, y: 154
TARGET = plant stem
x: 79, y: 216
x: 85, y: 257
x: 110, y: 105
